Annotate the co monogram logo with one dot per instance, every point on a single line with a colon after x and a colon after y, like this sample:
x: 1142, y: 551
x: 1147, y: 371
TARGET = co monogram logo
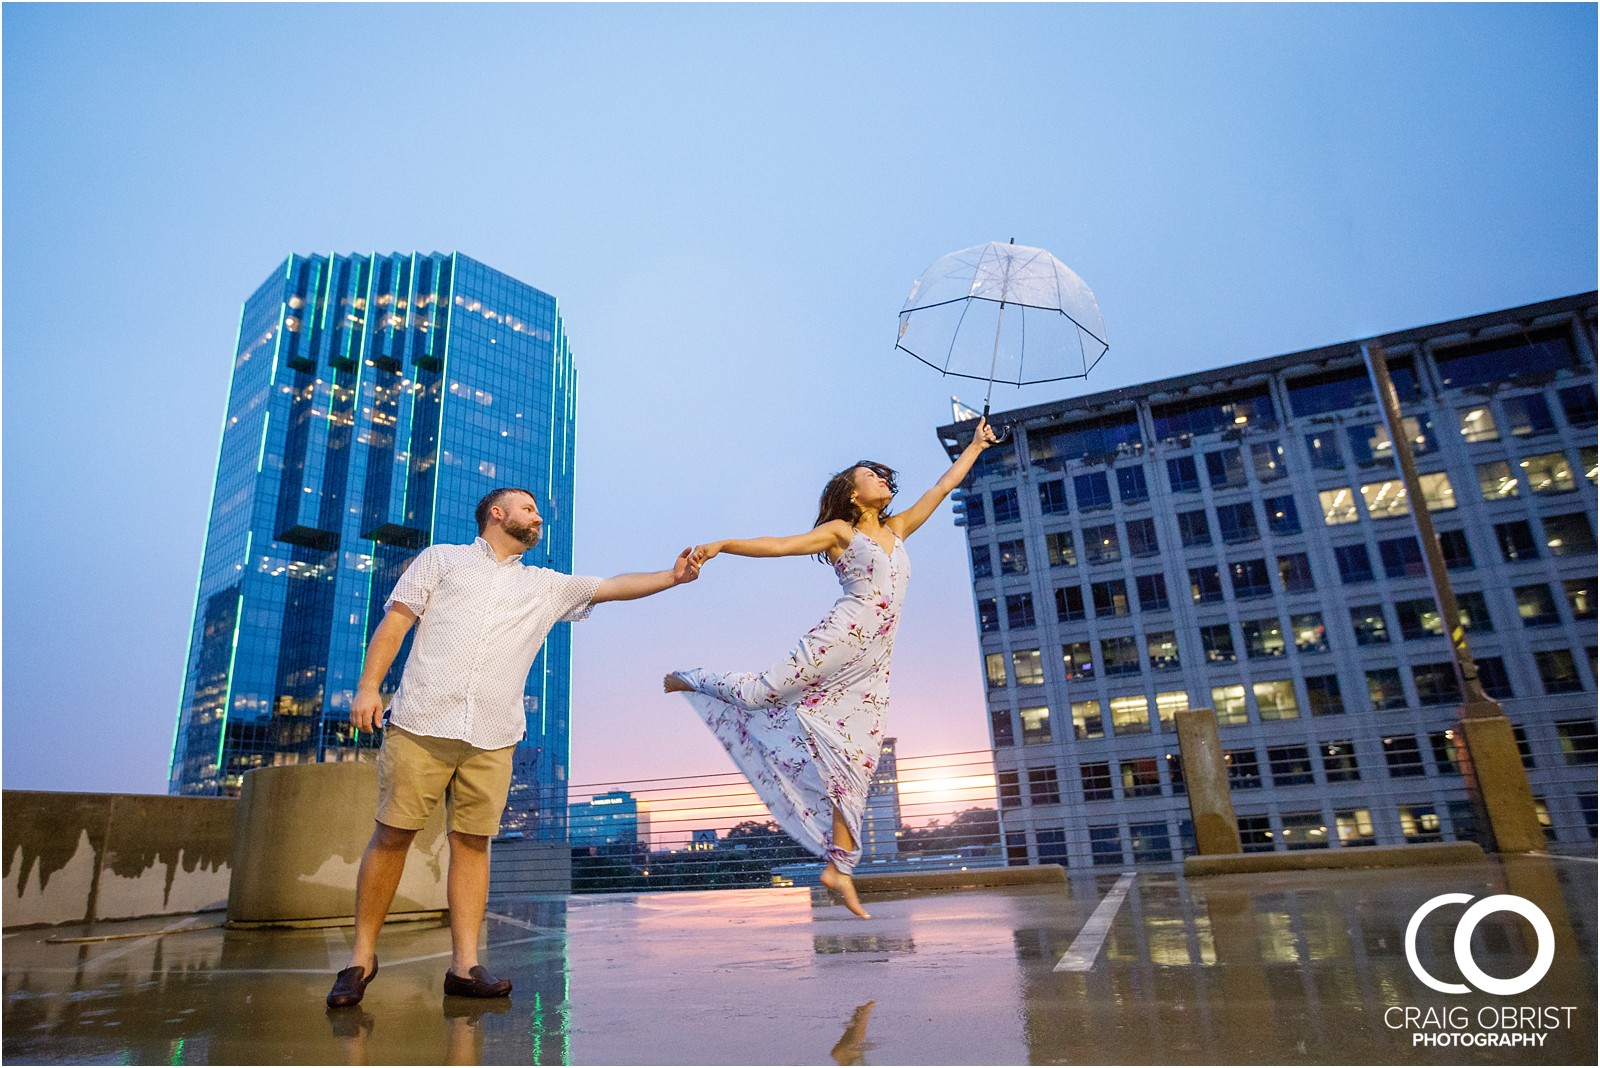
x: 1463, y: 943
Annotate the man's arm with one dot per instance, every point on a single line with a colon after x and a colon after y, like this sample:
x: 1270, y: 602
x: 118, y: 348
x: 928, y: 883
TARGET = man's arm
x: 632, y: 587
x: 366, y: 711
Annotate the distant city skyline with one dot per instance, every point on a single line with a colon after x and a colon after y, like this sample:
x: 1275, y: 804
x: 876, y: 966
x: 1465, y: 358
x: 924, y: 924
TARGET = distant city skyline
x: 731, y: 202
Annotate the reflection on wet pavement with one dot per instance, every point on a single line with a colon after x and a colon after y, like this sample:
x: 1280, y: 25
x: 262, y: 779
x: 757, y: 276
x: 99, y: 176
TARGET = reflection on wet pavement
x: 1301, y: 967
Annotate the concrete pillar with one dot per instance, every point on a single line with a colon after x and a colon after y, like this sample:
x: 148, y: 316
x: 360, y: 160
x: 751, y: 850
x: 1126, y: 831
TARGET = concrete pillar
x: 1205, y: 777
x: 1499, y: 782
x: 298, y: 840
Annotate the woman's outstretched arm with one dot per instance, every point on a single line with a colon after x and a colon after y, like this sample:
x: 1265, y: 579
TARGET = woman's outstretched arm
x: 906, y: 523
x: 834, y: 534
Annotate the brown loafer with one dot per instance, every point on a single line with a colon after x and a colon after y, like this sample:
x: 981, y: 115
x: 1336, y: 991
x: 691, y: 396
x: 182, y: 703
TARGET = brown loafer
x: 349, y: 986
x: 479, y: 984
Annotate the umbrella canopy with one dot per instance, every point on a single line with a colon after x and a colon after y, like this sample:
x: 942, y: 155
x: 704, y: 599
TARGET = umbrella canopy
x: 1003, y: 313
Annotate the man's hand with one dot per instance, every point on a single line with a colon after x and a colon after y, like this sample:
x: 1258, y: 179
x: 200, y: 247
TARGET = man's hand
x: 366, y: 711
x: 686, y: 568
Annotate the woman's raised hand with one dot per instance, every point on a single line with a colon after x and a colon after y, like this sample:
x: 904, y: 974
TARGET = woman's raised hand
x: 984, y: 436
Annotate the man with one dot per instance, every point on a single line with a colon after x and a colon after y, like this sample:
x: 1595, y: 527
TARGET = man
x: 457, y: 715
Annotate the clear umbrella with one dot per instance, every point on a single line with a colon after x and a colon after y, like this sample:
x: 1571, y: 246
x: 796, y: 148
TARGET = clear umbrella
x: 1003, y: 313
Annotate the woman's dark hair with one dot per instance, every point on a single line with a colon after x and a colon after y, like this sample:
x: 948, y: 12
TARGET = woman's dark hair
x: 836, y: 502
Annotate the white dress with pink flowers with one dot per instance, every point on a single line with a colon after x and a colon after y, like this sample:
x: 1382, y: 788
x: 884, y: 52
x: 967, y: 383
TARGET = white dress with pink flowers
x: 807, y: 731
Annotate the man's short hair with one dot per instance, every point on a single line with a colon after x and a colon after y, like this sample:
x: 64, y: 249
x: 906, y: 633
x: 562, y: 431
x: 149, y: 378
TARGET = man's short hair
x: 491, y: 499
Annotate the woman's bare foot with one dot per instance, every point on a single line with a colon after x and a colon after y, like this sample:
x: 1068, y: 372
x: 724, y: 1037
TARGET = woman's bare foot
x: 845, y: 887
x: 674, y: 684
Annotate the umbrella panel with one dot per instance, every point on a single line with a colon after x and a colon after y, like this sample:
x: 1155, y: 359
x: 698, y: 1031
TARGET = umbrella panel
x: 1035, y: 344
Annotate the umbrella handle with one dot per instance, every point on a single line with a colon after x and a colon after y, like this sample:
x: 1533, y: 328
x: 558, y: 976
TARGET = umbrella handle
x: 1002, y: 435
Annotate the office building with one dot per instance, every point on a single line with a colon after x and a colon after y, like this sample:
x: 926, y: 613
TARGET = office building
x: 1239, y: 539
x: 608, y: 819
x: 374, y: 400
x: 880, y: 821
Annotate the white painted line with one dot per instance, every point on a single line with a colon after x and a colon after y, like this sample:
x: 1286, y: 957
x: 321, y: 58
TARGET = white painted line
x: 1080, y: 956
x: 1563, y: 856
x: 513, y: 921
x: 129, y: 947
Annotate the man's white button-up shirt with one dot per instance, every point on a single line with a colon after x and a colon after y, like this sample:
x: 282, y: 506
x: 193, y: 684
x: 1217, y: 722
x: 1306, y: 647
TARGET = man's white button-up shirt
x: 480, y: 624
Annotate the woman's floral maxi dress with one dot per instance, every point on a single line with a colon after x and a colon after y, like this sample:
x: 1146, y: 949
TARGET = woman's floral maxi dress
x: 807, y: 731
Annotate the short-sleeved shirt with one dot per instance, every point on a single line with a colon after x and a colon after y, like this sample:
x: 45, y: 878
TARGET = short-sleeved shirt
x: 481, y: 622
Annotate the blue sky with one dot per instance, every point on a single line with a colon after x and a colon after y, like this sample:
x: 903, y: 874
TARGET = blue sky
x: 730, y: 203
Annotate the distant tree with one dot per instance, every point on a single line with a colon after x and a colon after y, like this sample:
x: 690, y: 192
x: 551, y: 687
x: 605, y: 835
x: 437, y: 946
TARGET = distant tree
x: 972, y: 827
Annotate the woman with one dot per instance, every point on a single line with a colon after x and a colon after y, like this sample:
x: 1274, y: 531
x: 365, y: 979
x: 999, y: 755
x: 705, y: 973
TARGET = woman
x: 807, y: 731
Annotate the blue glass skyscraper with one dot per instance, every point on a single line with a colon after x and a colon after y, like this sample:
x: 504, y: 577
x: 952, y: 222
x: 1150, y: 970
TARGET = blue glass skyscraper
x: 374, y: 400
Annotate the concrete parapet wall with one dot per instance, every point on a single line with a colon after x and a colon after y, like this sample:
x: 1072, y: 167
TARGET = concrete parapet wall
x: 78, y: 858
x: 1403, y: 856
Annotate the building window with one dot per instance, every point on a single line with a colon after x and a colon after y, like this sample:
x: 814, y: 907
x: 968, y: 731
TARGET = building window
x: 1043, y: 789
x: 1093, y: 491
x: 1402, y: 558
x: 1205, y: 584
x: 1142, y: 538
x: 1275, y: 699
x: 1141, y: 777
x: 1262, y: 638
x: 982, y: 563
x: 1017, y: 848
x: 1152, y: 842
x: 1527, y: 415
x: 1436, y: 683
x: 1368, y: 623
x: 1523, y: 749
x: 1217, y: 641
x: 1250, y: 579
x: 1000, y: 727
x: 1087, y: 720
x: 1100, y: 545
x: 1290, y: 765
x: 1069, y: 604
x: 1077, y: 661
x: 1354, y: 563
x: 1495, y: 480
x: 1105, y: 845
x: 1558, y: 671
x: 1304, y: 830
x: 1027, y: 667
x: 1282, y: 516
x: 1445, y: 757
x: 1403, y: 757
x: 1516, y: 541
x: 1548, y: 473
x: 973, y: 509
x: 1110, y: 598
x: 1237, y: 523
x: 994, y: 669
x: 1131, y: 486
x: 1193, y: 529
x: 1013, y: 558
x: 1354, y: 826
x: 1152, y: 592
x: 1385, y: 500
x: 1339, y: 761
x: 1244, y: 771
x: 1052, y: 845
x: 1385, y: 690
x: 1310, y: 636
x: 1225, y: 469
x: 1580, y: 597
x: 1130, y: 714
x: 1010, y: 794
x: 1182, y: 475
x: 1267, y: 458
x: 1477, y: 424
x: 1578, y: 405
x: 1419, y: 618
x: 1569, y: 535
x: 1438, y: 495
x: 1228, y: 704
x: 1119, y: 656
x: 1324, y: 452
x: 1474, y: 612
x: 1369, y: 444
x: 1019, y: 610
x: 1035, y: 725
x: 1589, y: 461
x: 1096, y: 782
x: 1322, y: 695
x: 1294, y: 571
x: 1174, y: 764
x: 1005, y: 506
x: 1577, y: 737
x: 1168, y: 705
x: 988, y: 616
x: 1163, y: 646
x: 1419, y: 823
x: 1255, y: 834
x: 1535, y: 605
x: 1053, y: 497
x: 1493, y: 678
x: 1457, y: 553
x: 1058, y: 549
x: 1338, y: 506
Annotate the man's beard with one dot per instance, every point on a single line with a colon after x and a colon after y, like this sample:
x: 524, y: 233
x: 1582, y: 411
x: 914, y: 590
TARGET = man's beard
x: 523, y: 533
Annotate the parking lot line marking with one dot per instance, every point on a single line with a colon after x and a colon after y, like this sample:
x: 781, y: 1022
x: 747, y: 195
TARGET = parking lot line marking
x: 1080, y: 956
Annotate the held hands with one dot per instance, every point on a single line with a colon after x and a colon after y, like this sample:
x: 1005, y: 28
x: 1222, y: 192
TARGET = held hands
x: 686, y: 568
x: 702, y: 553
x: 366, y: 711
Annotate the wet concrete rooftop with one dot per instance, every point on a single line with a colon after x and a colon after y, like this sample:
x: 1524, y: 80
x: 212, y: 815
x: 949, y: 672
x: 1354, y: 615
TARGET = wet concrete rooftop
x: 1110, y: 968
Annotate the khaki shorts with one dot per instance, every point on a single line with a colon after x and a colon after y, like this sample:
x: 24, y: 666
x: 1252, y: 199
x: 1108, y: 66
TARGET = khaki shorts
x: 416, y: 771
